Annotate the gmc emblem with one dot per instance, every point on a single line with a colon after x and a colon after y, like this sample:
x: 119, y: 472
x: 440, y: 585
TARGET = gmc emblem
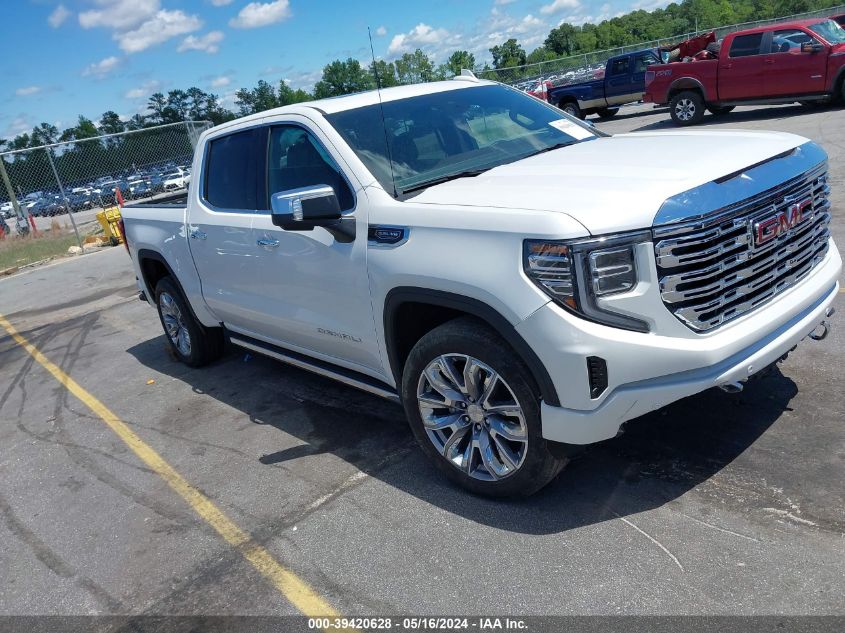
x: 779, y: 223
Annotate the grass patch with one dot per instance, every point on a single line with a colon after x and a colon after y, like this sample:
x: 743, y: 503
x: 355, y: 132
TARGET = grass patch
x: 19, y: 251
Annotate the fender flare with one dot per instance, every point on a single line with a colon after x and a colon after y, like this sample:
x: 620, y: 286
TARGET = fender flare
x: 409, y: 294
x: 146, y: 253
x: 840, y: 76
x: 686, y: 83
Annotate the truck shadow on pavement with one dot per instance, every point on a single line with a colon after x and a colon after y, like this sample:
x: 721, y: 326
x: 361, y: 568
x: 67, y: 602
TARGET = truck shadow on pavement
x: 660, y: 457
x: 740, y: 116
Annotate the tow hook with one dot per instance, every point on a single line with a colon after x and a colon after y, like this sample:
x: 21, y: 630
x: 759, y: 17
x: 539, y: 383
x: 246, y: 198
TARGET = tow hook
x: 817, y: 335
x: 732, y: 387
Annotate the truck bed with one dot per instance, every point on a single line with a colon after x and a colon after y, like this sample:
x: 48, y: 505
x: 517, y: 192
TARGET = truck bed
x: 179, y: 199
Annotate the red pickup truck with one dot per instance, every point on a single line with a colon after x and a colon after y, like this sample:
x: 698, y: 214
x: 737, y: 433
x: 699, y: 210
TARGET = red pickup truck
x: 782, y: 63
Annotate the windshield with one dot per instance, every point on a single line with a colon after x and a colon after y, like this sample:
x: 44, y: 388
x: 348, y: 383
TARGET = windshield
x: 829, y: 31
x: 437, y: 136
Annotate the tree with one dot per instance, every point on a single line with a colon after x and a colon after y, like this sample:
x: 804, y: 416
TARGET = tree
x: 288, y: 95
x: 157, y: 103
x: 262, y: 97
x: 458, y: 61
x: 197, y: 103
x: 44, y: 134
x: 414, y: 68
x: 562, y: 40
x: 85, y: 128
x: 136, y: 122
x: 386, y: 73
x: 508, y: 54
x: 110, y: 123
x: 341, y: 78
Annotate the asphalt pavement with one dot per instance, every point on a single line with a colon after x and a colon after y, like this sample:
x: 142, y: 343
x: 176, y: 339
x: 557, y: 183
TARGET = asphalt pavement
x: 718, y: 504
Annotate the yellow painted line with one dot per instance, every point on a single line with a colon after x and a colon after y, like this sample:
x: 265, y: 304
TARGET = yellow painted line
x: 291, y: 586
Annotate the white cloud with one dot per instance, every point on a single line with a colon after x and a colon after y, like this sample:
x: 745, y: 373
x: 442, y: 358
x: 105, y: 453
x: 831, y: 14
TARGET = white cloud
x: 257, y: 14
x: 423, y: 36
x: 220, y: 82
x: 58, y: 16
x: 650, y: 5
x: 381, y: 31
x: 208, y: 43
x: 101, y: 68
x: 559, y: 5
x: 501, y: 3
x: 221, y: 3
x: 119, y: 14
x: 27, y: 91
x: 19, y: 125
x: 163, y: 26
x: 304, y: 80
x: 143, y: 91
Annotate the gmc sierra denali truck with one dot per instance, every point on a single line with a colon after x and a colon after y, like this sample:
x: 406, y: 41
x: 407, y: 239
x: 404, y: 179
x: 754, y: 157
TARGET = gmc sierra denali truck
x: 519, y: 281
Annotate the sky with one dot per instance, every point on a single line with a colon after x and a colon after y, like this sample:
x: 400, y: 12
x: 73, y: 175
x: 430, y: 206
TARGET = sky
x: 70, y: 57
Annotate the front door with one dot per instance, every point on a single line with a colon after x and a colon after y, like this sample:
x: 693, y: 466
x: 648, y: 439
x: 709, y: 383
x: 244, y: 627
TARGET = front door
x: 315, y: 290
x: 789, y: 70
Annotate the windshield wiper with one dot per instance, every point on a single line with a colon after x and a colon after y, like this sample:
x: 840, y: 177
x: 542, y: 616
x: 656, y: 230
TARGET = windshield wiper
x: 551, y: 147
x: 467, y: 173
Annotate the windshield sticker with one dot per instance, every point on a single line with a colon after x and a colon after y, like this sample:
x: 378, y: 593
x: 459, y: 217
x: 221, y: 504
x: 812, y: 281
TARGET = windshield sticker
x: 573, y: 129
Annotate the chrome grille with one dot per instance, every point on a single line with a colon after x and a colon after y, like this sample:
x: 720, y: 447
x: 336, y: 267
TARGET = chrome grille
x: 712, y: 270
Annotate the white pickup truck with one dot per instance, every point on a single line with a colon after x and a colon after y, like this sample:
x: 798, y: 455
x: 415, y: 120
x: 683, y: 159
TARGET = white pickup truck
x: 519, y: 281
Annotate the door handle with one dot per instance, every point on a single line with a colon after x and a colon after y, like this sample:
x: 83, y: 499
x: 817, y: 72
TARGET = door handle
x: 198, y: 235
x: 268, y: 242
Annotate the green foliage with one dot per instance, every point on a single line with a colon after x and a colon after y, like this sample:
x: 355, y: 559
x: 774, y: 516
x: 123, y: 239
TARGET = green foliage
x: 386, y: 72
x: 342, y: 78
x: 414, y: 68
x: 508, y: 54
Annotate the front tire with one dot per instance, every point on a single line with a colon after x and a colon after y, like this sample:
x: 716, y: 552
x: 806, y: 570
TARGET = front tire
x: 190, y: 341
x: 475, y: 411
x: 687, y: 108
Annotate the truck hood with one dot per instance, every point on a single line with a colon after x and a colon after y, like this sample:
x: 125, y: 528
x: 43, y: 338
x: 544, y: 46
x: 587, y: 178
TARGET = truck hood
x: 616, y: 183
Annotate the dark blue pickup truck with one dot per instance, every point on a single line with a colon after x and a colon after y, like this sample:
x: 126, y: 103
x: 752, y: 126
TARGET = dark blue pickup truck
x: 623, y: 81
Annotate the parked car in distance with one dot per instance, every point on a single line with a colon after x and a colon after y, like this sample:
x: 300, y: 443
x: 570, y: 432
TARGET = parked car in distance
x: 177, y: 179
x: 81, y: 200
x: 621, y: 81
x: 7, y: 210
x: 800, y: 61
x: 47, y: 207
x: 458, y: 246
x: 139, y: 189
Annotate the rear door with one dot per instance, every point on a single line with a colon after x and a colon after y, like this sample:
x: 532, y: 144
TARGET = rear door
x: 789, y: 71
x: 742, y: 70
x: 221, y: 209
x: 626, y: 79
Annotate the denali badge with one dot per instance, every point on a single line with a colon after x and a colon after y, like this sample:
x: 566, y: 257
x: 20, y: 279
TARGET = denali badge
x: 779, y: 223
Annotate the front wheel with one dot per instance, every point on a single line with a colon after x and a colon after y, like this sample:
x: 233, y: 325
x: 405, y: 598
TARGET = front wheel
x: 475, y: 411
x: 686, y: 108
x: 190, y: 341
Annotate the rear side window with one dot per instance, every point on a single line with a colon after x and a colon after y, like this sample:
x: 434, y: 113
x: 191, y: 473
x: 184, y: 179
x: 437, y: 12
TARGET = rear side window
x: 746, y: 45
x: 231, y: 173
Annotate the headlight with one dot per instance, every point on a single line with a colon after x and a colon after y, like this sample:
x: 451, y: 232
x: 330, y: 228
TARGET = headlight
x: 576, y: 274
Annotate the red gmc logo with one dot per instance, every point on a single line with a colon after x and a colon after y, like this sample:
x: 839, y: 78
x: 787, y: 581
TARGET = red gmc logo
x: 771, y: 227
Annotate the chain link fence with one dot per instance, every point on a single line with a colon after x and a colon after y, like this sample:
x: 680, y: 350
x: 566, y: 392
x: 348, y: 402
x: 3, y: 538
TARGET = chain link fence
x: 68, y: 183
x: 588, y: 66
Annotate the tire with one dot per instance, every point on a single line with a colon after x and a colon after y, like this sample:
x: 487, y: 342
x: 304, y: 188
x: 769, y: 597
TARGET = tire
x: 720, y: 111
x: 517, y: 465
x: 190, y: 341
x: 572, y: 108
x: 607, y: 113
x: 687, y: 108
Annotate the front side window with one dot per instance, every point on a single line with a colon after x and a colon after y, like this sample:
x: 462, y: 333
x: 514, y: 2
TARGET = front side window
x: 231, y: 175
x: 642, y: 62
x: 296, y: 160
x: 443, y: 135
x: 829, y: 31
x: 790, y: 41
x: 746, y: 45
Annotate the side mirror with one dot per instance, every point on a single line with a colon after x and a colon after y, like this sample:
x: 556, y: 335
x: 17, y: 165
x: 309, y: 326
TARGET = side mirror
x: 308, y: 207
x: 811, y: 47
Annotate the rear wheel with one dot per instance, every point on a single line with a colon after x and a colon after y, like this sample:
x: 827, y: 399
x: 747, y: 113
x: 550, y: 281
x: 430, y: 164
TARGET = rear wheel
x: 720, y: 111
x: 475, y: 411
x: 572, y: 109
x: 607, y: 113
x: 687, y: 108
x: 191, y: 342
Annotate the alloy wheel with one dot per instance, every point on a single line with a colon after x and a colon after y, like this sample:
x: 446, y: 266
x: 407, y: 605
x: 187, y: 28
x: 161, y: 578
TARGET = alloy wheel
x: 174, y: 324
x: 472, y: 417
x: 685, y: 109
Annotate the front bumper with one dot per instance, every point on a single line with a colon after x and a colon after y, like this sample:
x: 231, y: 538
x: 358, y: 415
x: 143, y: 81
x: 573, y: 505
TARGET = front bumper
x: 648, y: 371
